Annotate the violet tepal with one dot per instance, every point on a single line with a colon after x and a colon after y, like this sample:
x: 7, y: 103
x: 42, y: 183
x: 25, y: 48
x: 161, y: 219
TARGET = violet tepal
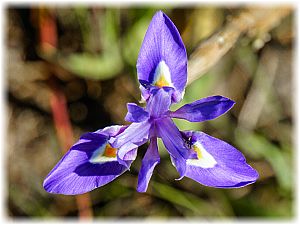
x: 100, y: 157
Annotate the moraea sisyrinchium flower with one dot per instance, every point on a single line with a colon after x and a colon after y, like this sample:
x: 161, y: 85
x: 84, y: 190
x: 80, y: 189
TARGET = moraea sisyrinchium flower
x: 100, y: 157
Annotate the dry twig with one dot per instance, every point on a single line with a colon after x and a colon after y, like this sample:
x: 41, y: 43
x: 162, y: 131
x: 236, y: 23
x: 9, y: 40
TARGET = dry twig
x: 254, y: 21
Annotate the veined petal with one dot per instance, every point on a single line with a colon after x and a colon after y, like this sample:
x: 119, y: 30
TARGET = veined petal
x: 159, y: 101
x: 150, y: 160
x: 145, y: 94
x: 162, y: 60
x: 90, y: 163
x: 204, y: 109
x: 136, y: 113
x: 174, y: 143
x: 135, y: 135
x: 219, y: 164
x: 112, y: 131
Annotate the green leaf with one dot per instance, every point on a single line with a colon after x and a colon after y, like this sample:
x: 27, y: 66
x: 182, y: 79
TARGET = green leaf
x: 258, y: 146
x: 98, y: 67
x: 184, y: 199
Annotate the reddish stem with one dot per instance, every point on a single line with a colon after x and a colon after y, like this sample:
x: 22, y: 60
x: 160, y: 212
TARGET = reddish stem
x: 65, y: 137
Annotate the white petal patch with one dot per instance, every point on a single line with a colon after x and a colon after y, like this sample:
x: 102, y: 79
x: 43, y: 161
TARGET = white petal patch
x: 205, y: 160
x: 102, y: 155
x: 162, y: 76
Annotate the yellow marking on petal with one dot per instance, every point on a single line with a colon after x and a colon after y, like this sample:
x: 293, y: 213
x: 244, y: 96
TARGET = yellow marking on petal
x: 162, y: 82
x: 198, y: 151
x: 162, y: 75
x: 110, y: 151
x: 204, y: 159
x: 104, y: 153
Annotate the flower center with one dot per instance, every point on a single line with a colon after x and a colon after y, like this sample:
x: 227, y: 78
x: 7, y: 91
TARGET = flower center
x: 161, y: 82
x: 110, y: 151
x: 204, y: 159
x: 162, y: 75
x: 104, y: 153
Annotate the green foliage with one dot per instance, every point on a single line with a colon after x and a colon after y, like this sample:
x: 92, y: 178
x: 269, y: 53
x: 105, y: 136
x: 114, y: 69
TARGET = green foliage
x: 101, y: 55
x: 258, y: 146
x: 97, y: 66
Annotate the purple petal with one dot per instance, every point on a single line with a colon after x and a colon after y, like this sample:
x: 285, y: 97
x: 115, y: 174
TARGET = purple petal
x: 162, y: 60
x: 174, y: 143
x: 150, y: 160
x: 204, y: 109
x: 84, y: 167
x: 112, y: 131
x: 135, y: 135
x: 159, y: 102
x: 136, y: 113
x: 219, y: 165
x: 145, y: 94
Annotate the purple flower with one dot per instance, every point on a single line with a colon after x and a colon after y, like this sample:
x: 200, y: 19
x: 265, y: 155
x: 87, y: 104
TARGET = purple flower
x: 100, y: 157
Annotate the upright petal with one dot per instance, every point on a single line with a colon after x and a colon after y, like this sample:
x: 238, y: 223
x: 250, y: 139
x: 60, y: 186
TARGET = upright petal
x: 162, y: 60
x: 90, y: 163
x: 174, y: 143
x: 218, y: 164
x: 150, y: 160
x: 136, y: 113
x: 135, y: 135
x: 159, y: 102
x: 204, y: 109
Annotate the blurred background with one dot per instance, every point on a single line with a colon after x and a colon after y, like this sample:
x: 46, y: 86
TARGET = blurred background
x: 71, y: 70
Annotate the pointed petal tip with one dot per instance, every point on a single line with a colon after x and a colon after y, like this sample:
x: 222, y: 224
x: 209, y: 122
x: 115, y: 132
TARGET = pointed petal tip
x: 208, y: 108
x: 220, y: 98
x: 52, y: 189
x: 83, y: 179
x: 159, y: 13
x: 50, y: 186
x: 45, y: 185
x: 251, y: 180
x: 231, y: 102
x: 230, y: 170
x: 168, y: 48
x: 149, y: 162
x: 76, y: 173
